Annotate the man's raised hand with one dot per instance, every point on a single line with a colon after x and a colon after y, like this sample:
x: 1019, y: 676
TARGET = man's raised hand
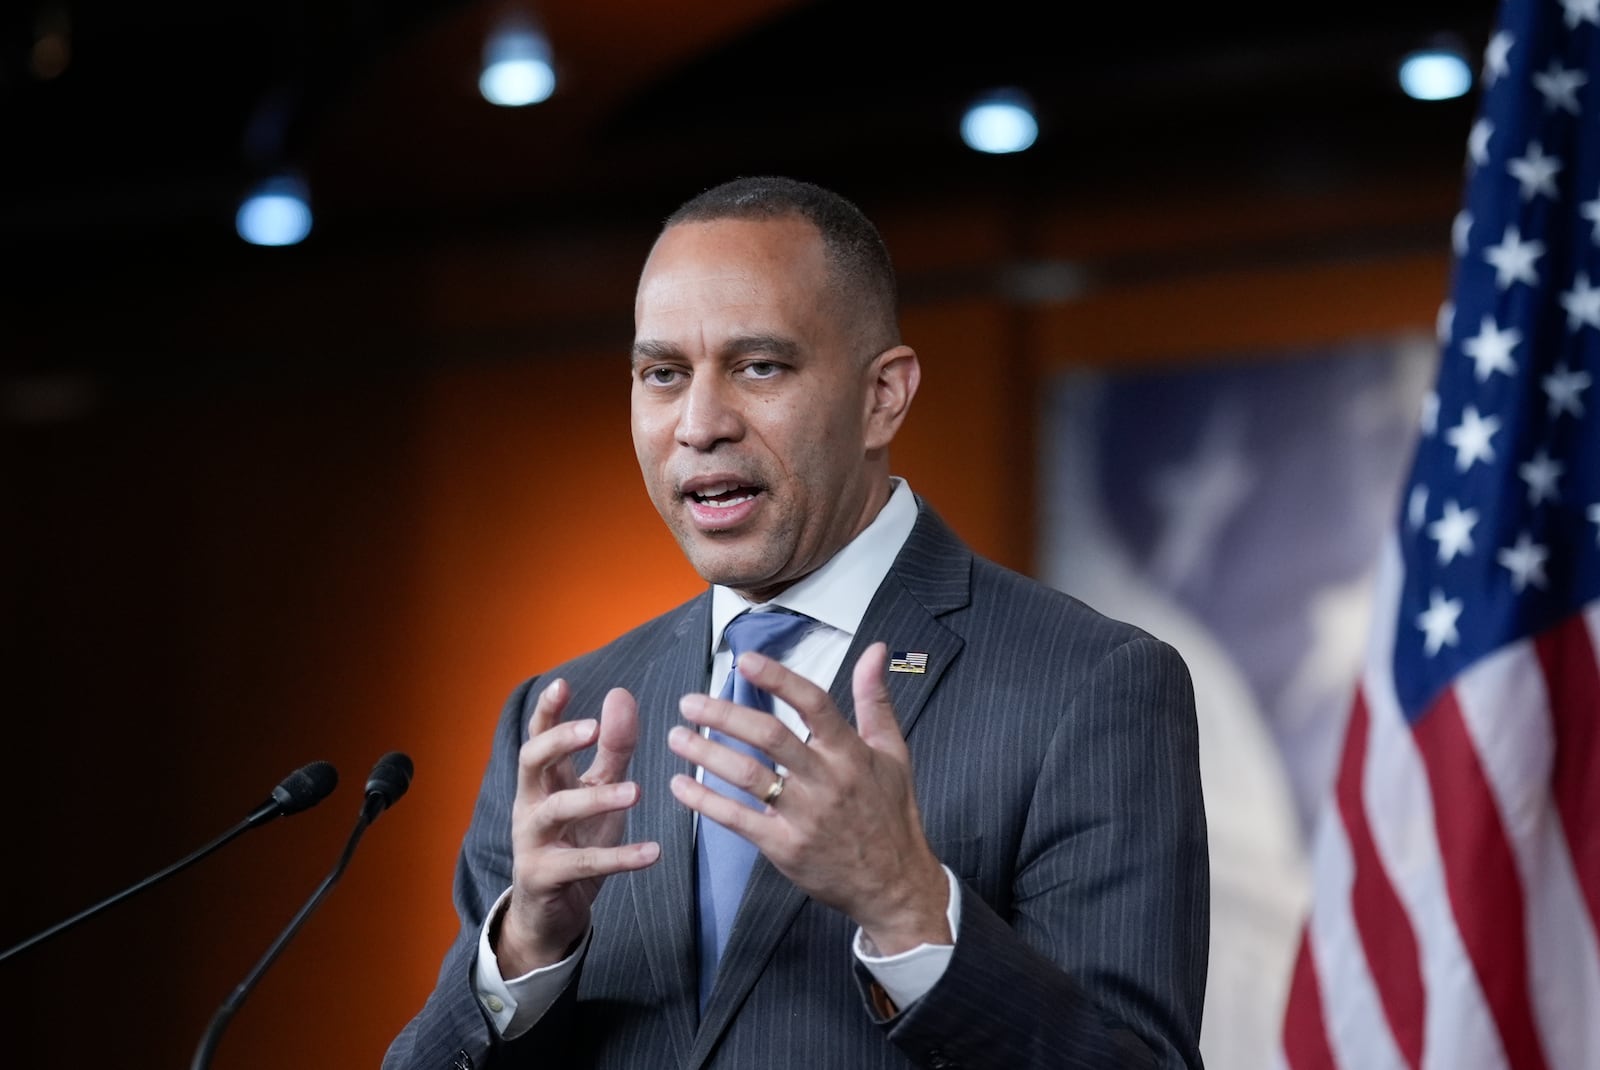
x: 846, y: 828
x: 566, y: 828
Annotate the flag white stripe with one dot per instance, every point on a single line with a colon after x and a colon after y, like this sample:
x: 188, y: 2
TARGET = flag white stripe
x: 1567, y: 956
x: 1507, y: 711
x: 1459, y: 1029
x: 1351, y: 1009
x: 1566, y: 960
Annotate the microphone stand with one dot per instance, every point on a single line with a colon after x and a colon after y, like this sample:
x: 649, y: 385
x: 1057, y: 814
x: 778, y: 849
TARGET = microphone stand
x: 374, y: 805
x: 303, y: 788
x: 155, y: 878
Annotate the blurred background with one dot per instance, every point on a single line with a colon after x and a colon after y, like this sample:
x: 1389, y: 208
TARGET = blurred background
x: 327, y: 475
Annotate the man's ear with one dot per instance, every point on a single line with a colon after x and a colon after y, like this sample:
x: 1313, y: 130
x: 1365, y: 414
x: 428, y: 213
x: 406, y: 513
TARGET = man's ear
x: 892, y: 380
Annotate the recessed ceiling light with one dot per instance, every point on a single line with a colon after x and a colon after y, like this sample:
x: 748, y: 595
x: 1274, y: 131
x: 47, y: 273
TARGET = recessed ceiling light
x: 1000, y: 121
x: 1435, y: 74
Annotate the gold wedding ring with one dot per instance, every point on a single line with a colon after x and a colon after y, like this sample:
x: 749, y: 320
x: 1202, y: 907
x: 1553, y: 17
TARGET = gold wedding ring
x: 773, y: 792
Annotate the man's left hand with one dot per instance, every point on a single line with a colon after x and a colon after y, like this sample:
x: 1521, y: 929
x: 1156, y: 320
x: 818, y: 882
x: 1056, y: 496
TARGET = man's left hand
x: 846, y: 829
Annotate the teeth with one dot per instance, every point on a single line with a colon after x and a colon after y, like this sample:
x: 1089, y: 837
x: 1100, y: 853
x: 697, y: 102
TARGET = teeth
x: 706, y: 495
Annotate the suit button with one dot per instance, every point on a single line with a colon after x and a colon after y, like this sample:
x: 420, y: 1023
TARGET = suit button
x: 939, y: 1061
x: 461, y: 1060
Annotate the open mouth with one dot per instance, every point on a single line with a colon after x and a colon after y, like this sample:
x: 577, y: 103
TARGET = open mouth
x: 724, y: 496
x: 723, y: 505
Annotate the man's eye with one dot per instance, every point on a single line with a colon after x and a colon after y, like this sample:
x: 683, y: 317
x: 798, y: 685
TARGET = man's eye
x: 661, y: 376
x: 761, y: 369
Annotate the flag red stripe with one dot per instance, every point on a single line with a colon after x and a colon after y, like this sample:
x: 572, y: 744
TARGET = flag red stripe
x: 1566, y: 653
x: 1380, y: 918
x: 1305, y: 1037
x: 1481, y: 874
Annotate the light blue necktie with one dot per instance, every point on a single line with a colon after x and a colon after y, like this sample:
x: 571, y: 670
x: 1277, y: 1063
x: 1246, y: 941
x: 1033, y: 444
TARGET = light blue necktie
x: 724, y: 858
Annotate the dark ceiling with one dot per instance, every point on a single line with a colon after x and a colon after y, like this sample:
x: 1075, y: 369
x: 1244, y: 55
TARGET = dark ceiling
x: 164, y: 110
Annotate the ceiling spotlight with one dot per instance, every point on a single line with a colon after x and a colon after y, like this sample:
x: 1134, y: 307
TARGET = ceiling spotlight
x: 276, y: 212
x: 1000, y: 121
x: 1435, y: 74
x: 517, y: 70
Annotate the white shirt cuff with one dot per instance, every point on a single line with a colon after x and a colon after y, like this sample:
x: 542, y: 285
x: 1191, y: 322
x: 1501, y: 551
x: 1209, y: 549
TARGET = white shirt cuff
x: 514, y: 1005
x: 908, y: 976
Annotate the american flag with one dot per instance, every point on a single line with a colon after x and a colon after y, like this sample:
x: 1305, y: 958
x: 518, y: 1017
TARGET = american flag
x: 909, y: 661
x: 1456, y: 868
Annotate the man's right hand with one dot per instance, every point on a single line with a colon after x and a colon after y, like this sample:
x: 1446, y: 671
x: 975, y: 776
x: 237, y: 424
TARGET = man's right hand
x: 566, y: 829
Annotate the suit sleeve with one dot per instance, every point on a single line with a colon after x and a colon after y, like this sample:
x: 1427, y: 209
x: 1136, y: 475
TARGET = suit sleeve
x: 1101, y: 959
x: 451, y: 1023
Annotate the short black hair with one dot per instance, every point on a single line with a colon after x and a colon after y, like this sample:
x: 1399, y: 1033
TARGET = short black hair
x: 857, y: 257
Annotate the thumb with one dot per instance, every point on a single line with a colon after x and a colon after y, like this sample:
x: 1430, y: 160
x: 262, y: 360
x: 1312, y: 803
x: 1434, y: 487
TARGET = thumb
x: 875, y: 720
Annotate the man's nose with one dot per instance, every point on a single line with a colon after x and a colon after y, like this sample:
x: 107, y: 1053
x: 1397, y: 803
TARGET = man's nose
x: 708, y: 414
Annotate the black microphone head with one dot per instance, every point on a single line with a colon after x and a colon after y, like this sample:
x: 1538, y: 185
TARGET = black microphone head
x: 305, y: 787
x: 390, y: 778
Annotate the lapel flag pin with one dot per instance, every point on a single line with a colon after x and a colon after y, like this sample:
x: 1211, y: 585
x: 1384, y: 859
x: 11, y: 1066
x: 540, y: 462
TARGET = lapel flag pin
x: 908, y: 661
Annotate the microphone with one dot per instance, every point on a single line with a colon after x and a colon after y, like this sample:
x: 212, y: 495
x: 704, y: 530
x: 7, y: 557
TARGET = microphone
x: 300, y: 790
x: 390, y: 778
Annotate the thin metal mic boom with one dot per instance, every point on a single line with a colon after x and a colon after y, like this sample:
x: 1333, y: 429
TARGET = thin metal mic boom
x: 300, y: 790
x: 389, y: 780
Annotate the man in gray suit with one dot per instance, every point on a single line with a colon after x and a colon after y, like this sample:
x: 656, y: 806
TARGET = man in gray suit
x: 974, y: 806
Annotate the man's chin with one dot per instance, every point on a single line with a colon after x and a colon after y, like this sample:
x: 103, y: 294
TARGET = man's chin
x: 744, y: 567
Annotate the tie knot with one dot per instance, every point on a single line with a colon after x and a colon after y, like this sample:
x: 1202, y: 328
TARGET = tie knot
x: 773, y: 634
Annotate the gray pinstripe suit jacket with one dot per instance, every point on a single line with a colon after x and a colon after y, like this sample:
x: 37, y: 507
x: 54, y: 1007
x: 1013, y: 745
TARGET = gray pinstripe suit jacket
x: 1056, y: 767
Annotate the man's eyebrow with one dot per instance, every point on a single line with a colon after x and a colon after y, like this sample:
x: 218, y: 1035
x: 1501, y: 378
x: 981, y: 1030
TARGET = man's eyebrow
x: 772, y: 345
x: 646, y: 349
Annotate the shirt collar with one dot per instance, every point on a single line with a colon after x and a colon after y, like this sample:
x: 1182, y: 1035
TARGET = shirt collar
x: 837, y: 594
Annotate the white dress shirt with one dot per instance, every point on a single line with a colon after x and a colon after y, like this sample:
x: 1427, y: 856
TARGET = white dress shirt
x: 836, y: 596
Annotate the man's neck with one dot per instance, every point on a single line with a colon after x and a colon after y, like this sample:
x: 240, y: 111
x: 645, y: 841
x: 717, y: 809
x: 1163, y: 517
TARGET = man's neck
x: 837, y: 593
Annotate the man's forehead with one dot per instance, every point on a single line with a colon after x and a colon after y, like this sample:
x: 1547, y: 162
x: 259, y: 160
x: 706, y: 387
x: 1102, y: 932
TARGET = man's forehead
x: 787, y: 239
x: 730, y: 271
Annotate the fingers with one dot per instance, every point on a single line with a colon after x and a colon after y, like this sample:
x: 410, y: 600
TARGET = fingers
x: 811, y: 702
x: 760, y: 730
x: 729, y: 813
x: 554, y: 821
x: 561, y: 867
x: 547, y: 709
x: 538, y: 768
x: 566, y: 819
x: 579, y: 820
x: 735, y: 767
x: 544, y: 762
x: 557, y: 811
x: 566, y: 830
x: 875, y: 719
x: 619, y: 735
x: 552, y: 889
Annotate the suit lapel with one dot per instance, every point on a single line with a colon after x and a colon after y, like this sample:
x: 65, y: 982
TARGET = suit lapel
x: 930, y: 577
x: 663, y: 894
